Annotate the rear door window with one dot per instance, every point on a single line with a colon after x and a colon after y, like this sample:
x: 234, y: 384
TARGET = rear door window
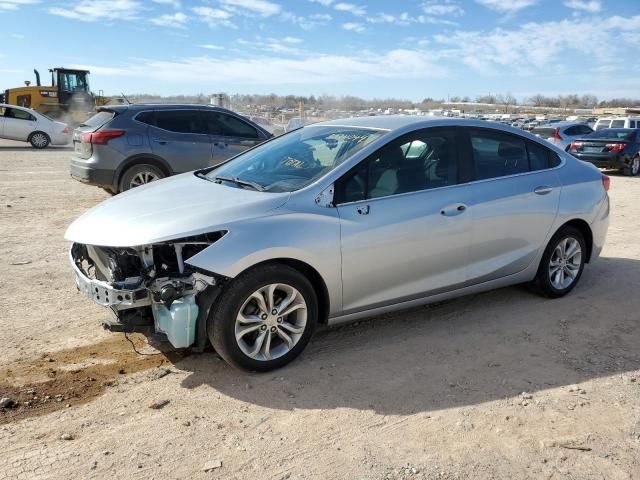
x: 617, y: 124
x: 497, y: 154
x: 538, y: 156
x: 602, y: 124
x: 179, y: 121
x: 218, y: 123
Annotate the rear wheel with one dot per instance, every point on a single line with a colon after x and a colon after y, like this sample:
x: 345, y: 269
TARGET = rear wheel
x: 634, y: 168
x: 140, y: 175
x: 264, y: 318
x: 562, y: 263
x: 39, y: 140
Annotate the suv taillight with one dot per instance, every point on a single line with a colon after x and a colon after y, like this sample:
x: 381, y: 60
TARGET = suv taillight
x: 556, y: 134
x: 575, y: 146
x: 101, y: 137
x: 606, y: 182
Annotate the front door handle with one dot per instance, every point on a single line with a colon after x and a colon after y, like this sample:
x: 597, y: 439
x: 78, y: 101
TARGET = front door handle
x: 453, y: 210
x: 543, y: 190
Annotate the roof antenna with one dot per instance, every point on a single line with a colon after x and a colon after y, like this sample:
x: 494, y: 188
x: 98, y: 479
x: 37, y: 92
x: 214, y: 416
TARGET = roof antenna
x: 125, y: 98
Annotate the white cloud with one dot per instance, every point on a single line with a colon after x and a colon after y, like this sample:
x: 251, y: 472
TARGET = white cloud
x: 312, y: 69
x: 177, y: 20
x: 213, y: 16
x: 353, y: 27
x: 292, y: 40
x: 14, y: 4
x: 507, y: 6
x: 94, y: 10
x: 261, y: 7
x: 592, y: 6
x: 173, y: 3
x: 326, y: 3
x: 306, y: 23
x: 210, y: 46
x: 446, y: 7
x: 536, y: 45
x: 356, y: 10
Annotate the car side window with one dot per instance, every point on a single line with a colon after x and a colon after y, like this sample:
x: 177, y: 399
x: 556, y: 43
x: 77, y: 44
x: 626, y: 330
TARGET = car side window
x: 572, y: 131
x: 218, y: 123
x: 497, y: 154
x: 18, y: 114
x: 617, y: 124
x: 585, y: 130
x: 146, y: 117
x: 179, y: 121
x: 538, y: 156
x: 418, y: 161
x: 554, y: 159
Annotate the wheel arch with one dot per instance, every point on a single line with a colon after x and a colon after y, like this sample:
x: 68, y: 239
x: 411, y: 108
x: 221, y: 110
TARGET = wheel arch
x: 584, y: 228
x: 317, y: 282
x: 141, y: 159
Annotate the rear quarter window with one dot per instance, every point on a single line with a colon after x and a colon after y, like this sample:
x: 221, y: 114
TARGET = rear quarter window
x: 98, y: 119
x: 146, y: 117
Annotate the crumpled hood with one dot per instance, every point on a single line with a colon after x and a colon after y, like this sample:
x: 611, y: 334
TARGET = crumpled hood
x: 173, y: 208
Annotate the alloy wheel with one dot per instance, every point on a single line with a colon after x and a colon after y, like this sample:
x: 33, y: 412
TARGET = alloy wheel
x: 635, y: 166
x: 142, y: 178
x: 271, y: 322
x: 39, y: 140
x: 565, y: 263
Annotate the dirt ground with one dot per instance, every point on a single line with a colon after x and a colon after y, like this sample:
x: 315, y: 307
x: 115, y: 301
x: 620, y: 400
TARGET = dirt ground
x: 500, y: 385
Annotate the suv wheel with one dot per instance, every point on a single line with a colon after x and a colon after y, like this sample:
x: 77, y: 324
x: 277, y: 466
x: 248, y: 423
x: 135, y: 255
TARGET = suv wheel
x: 140, y: 175
x: 39, y: 140
x: 264, y: 318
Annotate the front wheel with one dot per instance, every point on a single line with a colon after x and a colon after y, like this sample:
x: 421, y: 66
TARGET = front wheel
x: 562, y: 263
x: 39, y: 140
x: 264, y: 318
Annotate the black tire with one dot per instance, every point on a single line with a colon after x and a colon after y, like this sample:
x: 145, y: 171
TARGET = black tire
x: 139, y: 171
x: 39, y: 140
x: 543, y: 283
x: 634, y: 169
x: 221, y: 323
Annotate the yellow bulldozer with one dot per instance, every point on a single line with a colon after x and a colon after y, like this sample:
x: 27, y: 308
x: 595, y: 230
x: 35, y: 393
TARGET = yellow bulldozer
x: 68, y: 97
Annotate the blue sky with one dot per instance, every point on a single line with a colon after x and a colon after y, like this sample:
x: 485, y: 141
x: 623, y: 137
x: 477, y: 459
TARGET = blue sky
x: 406, y: 48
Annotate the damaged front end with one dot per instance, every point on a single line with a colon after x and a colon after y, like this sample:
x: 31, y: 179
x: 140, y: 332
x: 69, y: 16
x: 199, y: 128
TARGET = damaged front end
x: 150, y: 288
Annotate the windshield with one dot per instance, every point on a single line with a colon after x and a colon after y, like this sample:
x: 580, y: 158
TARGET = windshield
x: 620, y: 134
x: 295, y: 160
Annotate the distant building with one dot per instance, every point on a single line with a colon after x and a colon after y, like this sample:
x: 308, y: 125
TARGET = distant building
x: 616, y: 111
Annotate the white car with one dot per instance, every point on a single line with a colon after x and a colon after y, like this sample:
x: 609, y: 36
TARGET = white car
x: 27, y: 125
x: 617, y: 122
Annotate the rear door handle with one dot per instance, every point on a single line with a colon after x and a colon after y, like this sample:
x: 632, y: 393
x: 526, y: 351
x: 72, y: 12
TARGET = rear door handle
x: 543, y: 190
x: 161, y: 141
x: 453, y: 210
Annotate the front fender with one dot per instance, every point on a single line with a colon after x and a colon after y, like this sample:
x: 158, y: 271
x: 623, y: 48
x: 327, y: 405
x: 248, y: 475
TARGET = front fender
x: 309, y: 237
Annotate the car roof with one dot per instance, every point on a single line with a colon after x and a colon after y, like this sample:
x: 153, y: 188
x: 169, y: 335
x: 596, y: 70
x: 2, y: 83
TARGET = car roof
x: 161, y: 106
x: 563, y: 123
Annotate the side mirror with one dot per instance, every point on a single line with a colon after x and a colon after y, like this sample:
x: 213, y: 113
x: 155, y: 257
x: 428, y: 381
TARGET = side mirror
x: 325, y: 198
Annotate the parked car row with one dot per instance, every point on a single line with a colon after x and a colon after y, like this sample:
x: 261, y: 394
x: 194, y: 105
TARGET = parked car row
x: 329, y: 223
x: 616, y: 148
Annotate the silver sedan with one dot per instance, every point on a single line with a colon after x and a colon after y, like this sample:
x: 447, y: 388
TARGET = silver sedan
x: 334, y: 222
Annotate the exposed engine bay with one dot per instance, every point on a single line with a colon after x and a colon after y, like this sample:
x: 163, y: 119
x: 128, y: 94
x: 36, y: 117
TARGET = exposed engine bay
x: 149, y: 288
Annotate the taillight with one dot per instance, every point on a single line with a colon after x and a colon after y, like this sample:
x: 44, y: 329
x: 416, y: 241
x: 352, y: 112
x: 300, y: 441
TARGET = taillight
x: 575, y: 146
x: 102, y: 137
x: 606, y: 182
x: 556, y: 134
x: 616, y: 147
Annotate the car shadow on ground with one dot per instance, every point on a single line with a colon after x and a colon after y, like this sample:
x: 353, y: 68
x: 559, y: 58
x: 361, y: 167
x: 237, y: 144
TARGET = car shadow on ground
x: 464, y: 352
